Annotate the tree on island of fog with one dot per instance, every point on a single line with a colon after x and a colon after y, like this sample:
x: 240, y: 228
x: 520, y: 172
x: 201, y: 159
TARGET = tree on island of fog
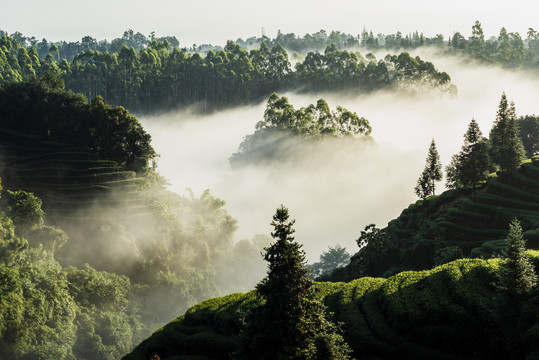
x: 291, y: 321
x: 432, y: 173
x: 471, y: 165
x: 506, y: 149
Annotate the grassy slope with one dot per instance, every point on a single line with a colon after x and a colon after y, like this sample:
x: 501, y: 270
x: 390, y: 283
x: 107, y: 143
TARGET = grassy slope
x: 443, y: 313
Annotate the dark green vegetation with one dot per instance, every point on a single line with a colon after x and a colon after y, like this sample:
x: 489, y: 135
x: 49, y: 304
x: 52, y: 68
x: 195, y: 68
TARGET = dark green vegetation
x: 426, y: 184
x: 465, y: 308
x: 457, y: 223
x: 471, y: 165
x: 443, y: 313
x: 149, y: 73
x: 43, y: 109
x: 48, y: 311
x: 506, y: 149
x: 95, y: 254
x: 517, y: 275
x: 161, y: 76
x: 465, y: 221
x: 290, y: 322
x: 284, y: 126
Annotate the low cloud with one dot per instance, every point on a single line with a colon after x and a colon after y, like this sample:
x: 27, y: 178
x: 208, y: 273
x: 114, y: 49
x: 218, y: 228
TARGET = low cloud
x: 334, y: 190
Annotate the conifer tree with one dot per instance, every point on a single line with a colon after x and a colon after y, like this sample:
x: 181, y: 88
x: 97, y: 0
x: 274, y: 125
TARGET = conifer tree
x: 506, y: 148
x: 471, y: 164
x: 291, y: 322
x: 517, y: 274
x: 432, y: 173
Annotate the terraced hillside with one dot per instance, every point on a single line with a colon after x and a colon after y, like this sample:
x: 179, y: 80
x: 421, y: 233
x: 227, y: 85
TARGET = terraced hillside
x: 92, y: 200
x: 449, y: 312
x: 67, y: 178
x: 458, y: 223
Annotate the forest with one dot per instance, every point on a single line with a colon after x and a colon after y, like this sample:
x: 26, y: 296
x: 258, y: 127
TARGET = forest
x: 160, y: 76
x: 99, y: 259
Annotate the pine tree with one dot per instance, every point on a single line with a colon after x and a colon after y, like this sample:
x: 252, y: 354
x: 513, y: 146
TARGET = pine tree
x: 517, y: 274
x: 291, y: 322
x: 432, y: 173
x: 471, y: 164
x: 506, y: 148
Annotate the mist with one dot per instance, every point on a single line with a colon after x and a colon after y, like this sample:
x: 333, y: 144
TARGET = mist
x: 334, y: 190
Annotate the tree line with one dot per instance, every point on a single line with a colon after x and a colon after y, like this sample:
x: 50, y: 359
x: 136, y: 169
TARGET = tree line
x: 160, y: 76
x: 509, y: 49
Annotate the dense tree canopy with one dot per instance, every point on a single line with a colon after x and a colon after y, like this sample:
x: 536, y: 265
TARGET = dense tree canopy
x: 51, y: 312
x: 529, y: 134
x: 40, y: 107
x: 157, y: 75
x: 145, y: 73
x: 283, y: 122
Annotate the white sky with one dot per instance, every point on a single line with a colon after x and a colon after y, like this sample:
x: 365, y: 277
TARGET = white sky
x: 211, y: 21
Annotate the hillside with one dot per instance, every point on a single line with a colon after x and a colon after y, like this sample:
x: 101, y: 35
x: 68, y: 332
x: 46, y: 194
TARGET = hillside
x: 448, y: 312
x: 111, y: 231
x: 458, y: 223
x: 65, y: 176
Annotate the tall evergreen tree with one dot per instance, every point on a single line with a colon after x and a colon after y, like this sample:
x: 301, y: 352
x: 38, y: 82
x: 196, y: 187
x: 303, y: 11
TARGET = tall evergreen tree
x: 477, y: 44
x: 506, y: 148
x: 291, y: 322
x: 471, y: 164
x: 516, y: 278
x: 433, y: 172
x: 517, y: 273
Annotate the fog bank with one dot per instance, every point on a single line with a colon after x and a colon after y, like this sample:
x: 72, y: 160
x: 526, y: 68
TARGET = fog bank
x: 332, y: 190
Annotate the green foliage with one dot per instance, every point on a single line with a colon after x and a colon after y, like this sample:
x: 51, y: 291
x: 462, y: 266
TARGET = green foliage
x: 155, y: 74
x: 282, y: 123
x: 50, y: 312
x: 374, y: 244
x: 471, y: 165
x: 37, y: 108
x: 24, y: 209
x: 506, y: 148
x: 443, y: 313
x: 291, y: 323
x: 432, y: 173
x: 517, y: 275
x: 529, y: 133
x: 107, y: 323
x: 447, y: 254
x: 36, y: 310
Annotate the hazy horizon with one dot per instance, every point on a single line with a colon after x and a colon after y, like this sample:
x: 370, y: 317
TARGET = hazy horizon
x: 216, y: 22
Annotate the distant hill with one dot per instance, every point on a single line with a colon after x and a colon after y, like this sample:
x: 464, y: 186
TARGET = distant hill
x: 448, y: 312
